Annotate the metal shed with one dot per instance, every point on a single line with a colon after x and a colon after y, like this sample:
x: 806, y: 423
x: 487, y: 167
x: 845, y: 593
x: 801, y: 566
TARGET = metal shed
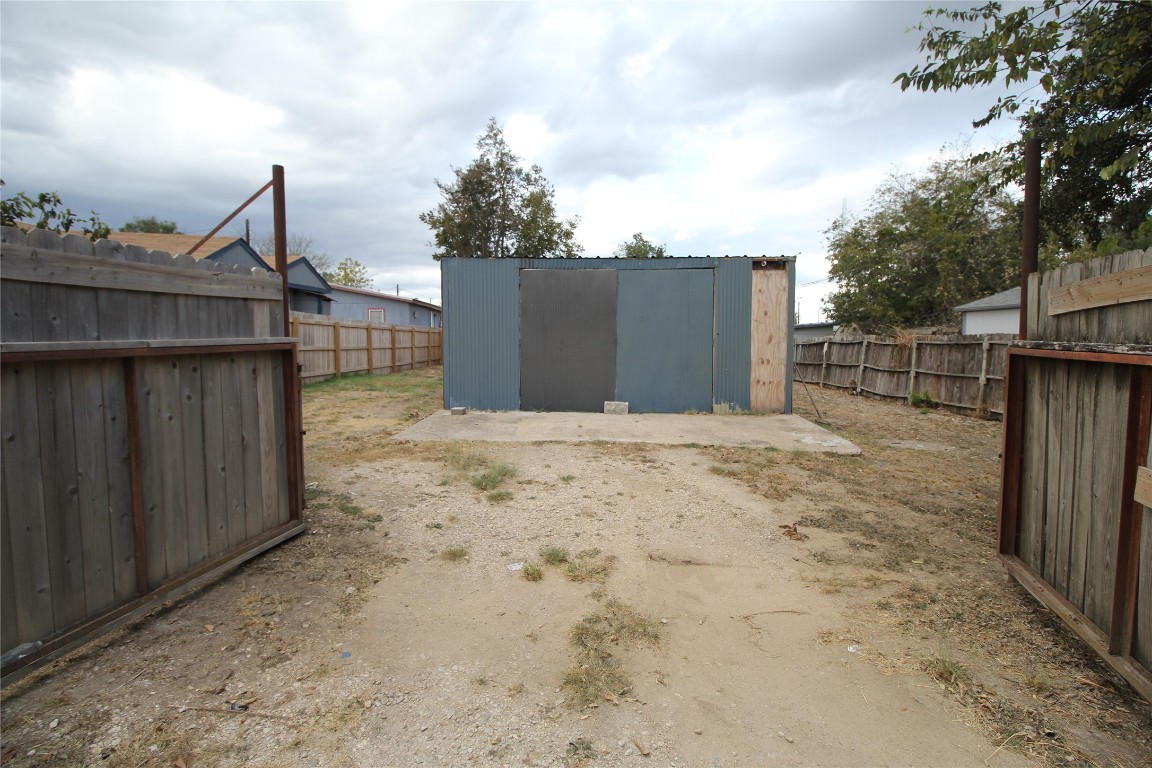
x: 663, y: 335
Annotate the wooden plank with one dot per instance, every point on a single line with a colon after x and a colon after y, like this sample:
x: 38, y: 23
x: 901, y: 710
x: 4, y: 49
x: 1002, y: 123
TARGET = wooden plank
x: 26, y: 527
x: 21, y: 262
x: 15, y: 311
x: 1054, y: 518
x: 89, y: 418
x: 215, y: 461
x: 167, y: 455
x: 250, y: 429
x: 1012, y: 458
x: 193, y: 459
x: 1069, y: 442
x: 118, y: 463
x: 61, y: 507
x: 770, y: 316
x: 232, y: 392
x: 1081, y: 422
x: 151, y: 410
x: 1108, y: 452
x: 82, y: 315
x: 9, y: 621
x: 49, y: 313
x: 1105, y: 290
x: 1143, y: 494
x: 277, y: 413
x: 271, y: 463
x: 1034, y: 474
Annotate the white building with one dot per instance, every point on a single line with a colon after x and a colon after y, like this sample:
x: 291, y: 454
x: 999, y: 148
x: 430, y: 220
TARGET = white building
x: 998, y: 313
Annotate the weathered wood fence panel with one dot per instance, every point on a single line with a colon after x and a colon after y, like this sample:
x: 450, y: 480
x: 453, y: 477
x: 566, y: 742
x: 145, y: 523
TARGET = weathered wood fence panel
x: 332, y: 347
x: 1078, y: 431
x: 961, y: 372
x: 151, y: 432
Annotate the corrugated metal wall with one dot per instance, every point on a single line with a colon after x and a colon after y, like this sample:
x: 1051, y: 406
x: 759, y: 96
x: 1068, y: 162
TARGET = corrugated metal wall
x: 481, y: 325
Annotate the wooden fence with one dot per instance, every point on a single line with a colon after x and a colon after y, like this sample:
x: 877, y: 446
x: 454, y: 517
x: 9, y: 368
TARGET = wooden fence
x: 330, y: 347
x: 1075, y: 518
x: 961, y: 372
x: 149, y: 409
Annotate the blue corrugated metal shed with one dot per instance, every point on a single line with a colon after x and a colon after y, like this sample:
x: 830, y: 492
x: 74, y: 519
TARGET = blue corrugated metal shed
x: 482, y: 325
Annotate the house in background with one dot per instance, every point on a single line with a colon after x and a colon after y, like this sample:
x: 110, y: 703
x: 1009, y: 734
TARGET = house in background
x: 807, y: 331
x: 998, y: 313
x: 360, y: 304
x: 308, y: 291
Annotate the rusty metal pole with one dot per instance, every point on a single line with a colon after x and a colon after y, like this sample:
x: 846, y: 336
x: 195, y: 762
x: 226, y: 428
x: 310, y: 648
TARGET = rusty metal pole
x: 280, y: 233
x: 1030, y: 258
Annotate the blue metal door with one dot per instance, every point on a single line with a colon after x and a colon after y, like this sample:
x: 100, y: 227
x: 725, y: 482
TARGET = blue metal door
x: 664, y: 340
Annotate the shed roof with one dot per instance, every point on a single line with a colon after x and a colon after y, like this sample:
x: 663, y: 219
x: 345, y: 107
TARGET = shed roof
x: 173, y: 244
x: 1009, y: 299
x: 389, y: 296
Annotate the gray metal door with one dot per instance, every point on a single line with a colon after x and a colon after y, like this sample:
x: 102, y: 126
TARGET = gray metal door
x: 567, y: 339
x: 664, y: 355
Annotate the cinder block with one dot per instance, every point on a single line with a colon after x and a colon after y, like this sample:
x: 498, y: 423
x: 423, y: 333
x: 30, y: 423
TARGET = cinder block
x: 615, y: 408
x: 459, y: 410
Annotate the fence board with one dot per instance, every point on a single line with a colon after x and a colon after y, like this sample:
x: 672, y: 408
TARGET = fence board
x: 232, y: 412
x: 330, y: 347
x: 1034, y: 477
x: 1108, y: 458
x: 27, y: 531
x: 92, y: 485
x: 119, y: 480
x: 1083, y: 426
x: 1142, y: 640
x: 215, y: 460
x: 194, y: 459
x: 271, y: 463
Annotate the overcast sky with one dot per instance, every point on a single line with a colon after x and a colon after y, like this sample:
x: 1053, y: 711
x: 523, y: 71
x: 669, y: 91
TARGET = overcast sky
x: 714, y: 128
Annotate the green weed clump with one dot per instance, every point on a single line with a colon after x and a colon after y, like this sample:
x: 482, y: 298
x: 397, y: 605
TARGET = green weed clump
x: 597, y: 673
x: 453, y: 554
x: 554, y: 555
x: 493, y: 476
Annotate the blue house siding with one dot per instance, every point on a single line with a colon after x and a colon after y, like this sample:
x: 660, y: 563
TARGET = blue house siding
x: 354, y: 305
x: 482, y: 334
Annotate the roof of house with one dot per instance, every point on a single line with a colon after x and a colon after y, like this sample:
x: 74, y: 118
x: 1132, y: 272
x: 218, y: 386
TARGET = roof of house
x: 173, y: 244
x: 1009, y: 299
x: 388, y: 296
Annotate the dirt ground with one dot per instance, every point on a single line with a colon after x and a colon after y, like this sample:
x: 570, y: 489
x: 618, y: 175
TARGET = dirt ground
x: 600, y: 604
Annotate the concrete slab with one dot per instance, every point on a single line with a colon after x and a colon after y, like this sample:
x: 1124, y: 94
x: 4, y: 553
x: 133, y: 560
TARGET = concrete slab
x: 785, y: 432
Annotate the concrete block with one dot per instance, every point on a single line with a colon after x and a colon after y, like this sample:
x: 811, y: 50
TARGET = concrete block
x: 459, y: 410
x: 615, y: 408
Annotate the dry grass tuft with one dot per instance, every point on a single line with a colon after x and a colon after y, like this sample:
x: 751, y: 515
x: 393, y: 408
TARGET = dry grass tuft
x: 453, y: 554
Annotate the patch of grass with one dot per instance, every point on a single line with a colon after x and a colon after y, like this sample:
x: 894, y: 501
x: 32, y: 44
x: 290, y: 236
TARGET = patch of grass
x: 597, y: 673
x: 453, y: 554
x: 532, y: 572
x: 499, y: 497
x: 493, y: 476
x: 437, y: 525
x: 463, y: 459
x: 581, y: 749
x: 515, y: 689
x: 717, y: 469
x: 480, y: 681
x: 567, y: 478
x: 588, y: 565
x: 419, y: 383
x: 1037, y: 681
x: 554, y: 555
x: 922, y: 400
x: 948, y: 671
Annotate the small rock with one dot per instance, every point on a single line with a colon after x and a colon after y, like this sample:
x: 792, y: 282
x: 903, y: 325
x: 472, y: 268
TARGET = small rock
x: 54, y: 723
x: 698, y: 732
x: 350, y: 591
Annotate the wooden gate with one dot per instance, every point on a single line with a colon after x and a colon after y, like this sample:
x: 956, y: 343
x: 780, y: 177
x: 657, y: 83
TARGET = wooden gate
x: 151, y: 432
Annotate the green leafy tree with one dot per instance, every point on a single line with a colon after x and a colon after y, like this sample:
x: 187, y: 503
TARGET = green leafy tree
x: 47, y: 211
x: 496, y: 208
x: 927, y: 244
x: 152, y: 225
x: 1085, y: 69
x: 640, y: 247
x: 350, y: 273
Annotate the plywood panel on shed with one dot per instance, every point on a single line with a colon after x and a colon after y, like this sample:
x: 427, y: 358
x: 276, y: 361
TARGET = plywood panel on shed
x: 771, y: 316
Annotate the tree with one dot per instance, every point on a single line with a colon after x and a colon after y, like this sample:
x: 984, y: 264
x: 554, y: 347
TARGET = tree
x: 496, y: 208
x: 1093, y: 113
x: 152, y: 225
x: 639, y: 247
x: 47, y: 211
x: 298, y: 245
x: 349, y: 273
x: 927, y: 244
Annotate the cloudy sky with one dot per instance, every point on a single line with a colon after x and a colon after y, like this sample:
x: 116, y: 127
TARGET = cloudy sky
x: 714, y: 128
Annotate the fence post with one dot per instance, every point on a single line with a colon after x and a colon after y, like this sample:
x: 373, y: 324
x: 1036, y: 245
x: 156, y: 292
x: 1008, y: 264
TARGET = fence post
x: 296, y: 330
x: 412, y: 349
x: 912, y: 370
x: 392, y: 349
x: 368, y: 330
x: 336, y: 344
x: 860, y: 370
x: 982, y: 397
x: 823, y: 363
